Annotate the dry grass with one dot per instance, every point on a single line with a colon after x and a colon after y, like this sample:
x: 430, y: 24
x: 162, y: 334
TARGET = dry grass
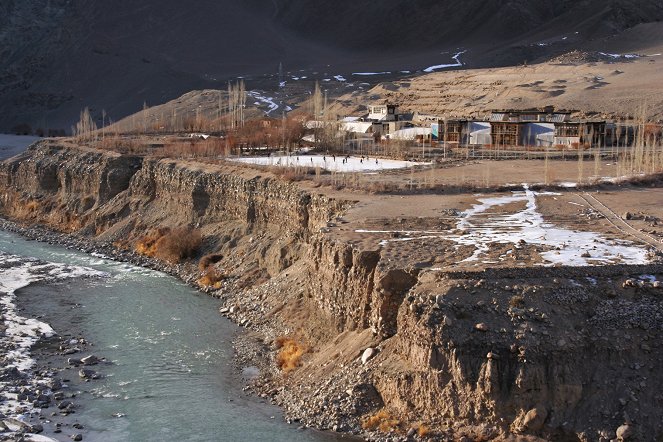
x: 172, y: 245
x: 124, y: 145
x: 212, y: 147
x: 32, y: 206
x: 382, y: 421
x: 290, y: 353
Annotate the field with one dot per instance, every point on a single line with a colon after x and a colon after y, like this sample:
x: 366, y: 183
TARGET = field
x: 485, y: 214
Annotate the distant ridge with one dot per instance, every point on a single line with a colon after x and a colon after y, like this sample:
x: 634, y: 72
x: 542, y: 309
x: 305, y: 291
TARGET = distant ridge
x: 117, y: 55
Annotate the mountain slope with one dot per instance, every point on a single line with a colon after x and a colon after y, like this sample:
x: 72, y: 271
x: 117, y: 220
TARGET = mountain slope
x: 55, y: 60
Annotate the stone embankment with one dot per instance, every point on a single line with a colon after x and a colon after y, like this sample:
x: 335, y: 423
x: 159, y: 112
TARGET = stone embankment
x: 383, y: 349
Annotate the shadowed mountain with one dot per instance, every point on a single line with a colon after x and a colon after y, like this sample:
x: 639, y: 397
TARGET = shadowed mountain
x: 116, y: 55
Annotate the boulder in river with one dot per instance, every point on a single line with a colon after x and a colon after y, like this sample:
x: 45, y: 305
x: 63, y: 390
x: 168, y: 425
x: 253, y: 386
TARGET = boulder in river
x: 90, y: 360
x: 86, y: 373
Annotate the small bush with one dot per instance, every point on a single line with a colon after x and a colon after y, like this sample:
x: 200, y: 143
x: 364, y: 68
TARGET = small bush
x: 290, y: 353
x: 382, y: 421
x: 517, y: 301
x: 172, y: 245
x: 147, y: 244
x: 422, y: 430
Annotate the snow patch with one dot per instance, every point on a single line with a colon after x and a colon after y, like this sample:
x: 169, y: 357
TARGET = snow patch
x: 456, y: 57
x: 371, y: 73
x: 483, y: 226
x: 272, y: 106
x: 627, y: 56
x: 568, y: 184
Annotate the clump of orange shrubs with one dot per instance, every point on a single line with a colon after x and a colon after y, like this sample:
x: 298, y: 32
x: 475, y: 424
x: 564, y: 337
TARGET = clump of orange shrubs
x: 382, y: 421
x: 172, y: 245
x: 290, y: 353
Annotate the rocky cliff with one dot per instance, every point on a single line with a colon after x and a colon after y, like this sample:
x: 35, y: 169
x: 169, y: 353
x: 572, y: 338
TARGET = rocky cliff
x: 557, y: 354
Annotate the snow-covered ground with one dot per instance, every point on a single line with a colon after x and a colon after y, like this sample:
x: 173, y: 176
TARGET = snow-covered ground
x: 11, y: 145
x: 487, y: 223
x: 330, y: 162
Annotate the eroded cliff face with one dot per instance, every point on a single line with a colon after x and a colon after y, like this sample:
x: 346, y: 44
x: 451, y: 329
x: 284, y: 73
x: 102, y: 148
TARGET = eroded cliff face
x: 551, y: 354
x: 557, y: 353
x: 108, y: 189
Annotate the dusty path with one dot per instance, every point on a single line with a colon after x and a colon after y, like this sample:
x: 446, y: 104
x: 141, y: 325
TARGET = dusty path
x: 619, y: 223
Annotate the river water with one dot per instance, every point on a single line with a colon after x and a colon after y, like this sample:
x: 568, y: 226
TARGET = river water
x: 171, y: 376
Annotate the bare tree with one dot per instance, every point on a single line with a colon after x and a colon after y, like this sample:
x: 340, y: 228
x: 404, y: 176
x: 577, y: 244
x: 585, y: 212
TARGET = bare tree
x: 317, y: 101
x: 85, y: 127
x: 103, y: 124
x: 236, y: 103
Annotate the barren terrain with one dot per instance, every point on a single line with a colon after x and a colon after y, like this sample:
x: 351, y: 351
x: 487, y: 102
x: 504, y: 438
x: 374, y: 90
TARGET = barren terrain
x: 605, y: 88
x: 445, y: 312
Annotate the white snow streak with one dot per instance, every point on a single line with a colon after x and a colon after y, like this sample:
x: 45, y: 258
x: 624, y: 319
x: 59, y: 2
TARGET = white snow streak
x: 444, y: 66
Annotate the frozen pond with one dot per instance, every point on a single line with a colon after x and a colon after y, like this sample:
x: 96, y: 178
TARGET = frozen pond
x: 331, y: 163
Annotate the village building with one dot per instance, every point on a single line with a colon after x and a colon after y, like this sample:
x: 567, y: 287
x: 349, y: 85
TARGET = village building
x: 586, y: 133
x: 386, y: 119
x: 530, y: 127
x: 382, y: 112
x: 449, y: 131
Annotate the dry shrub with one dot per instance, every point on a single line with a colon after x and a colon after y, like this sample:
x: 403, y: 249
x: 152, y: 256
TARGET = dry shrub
x: 172, y: 245
x: 382, y: 421
x: 290, y: 353
x: 211, y: 278
x: 208, y: 260
x: 212, y: 147
x: 517, y: 301
x: 125, y: 145
x: 291, y: 174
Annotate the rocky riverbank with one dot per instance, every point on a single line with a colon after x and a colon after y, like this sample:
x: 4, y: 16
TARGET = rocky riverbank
x: 36, y: 387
